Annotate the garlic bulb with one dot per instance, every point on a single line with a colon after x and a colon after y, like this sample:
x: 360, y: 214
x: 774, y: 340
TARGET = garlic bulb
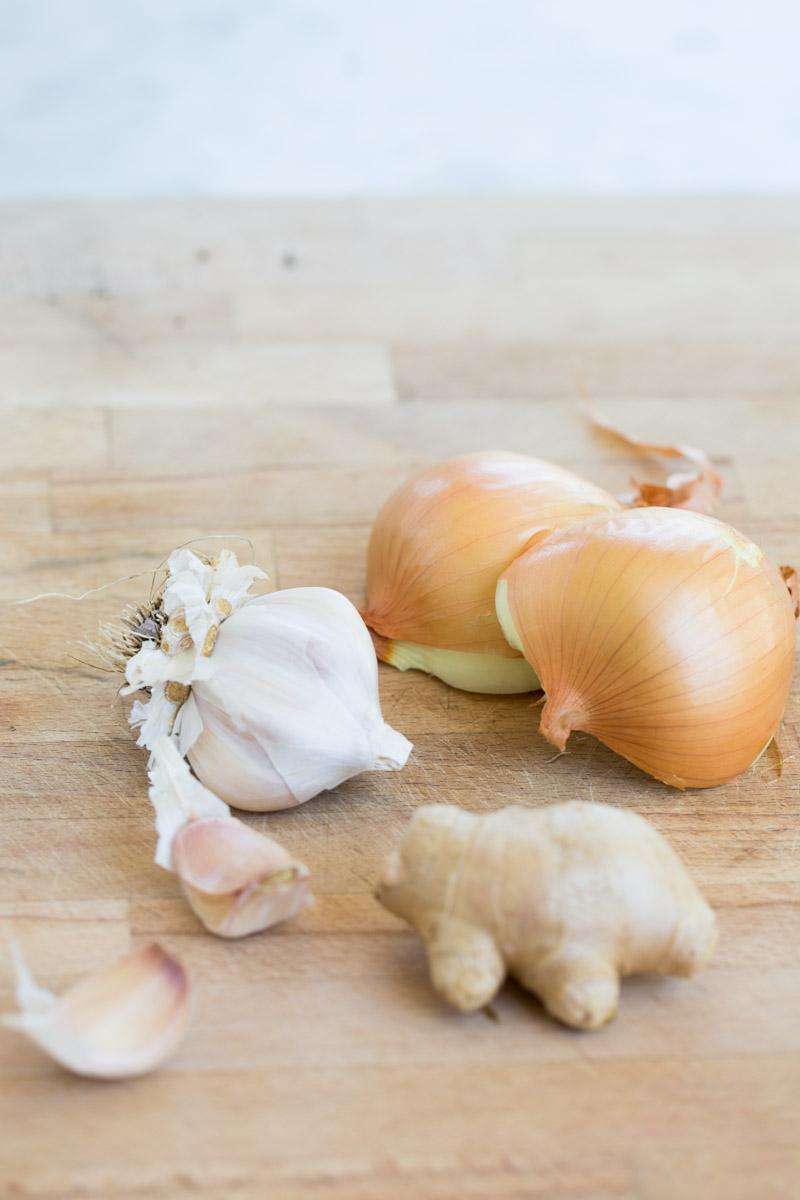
x: 437, y: 549
x: 236, y: 880
x: 272, y: 698
x: 123, y: 1021
x: 663, y: 632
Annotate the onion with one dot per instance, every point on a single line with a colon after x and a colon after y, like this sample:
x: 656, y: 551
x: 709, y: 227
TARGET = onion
x: 437, y: 549
x: 665, y: 633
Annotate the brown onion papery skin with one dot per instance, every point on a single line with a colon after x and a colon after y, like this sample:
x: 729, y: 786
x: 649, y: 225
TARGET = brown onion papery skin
x: 442, y: 540
x: 653, y: 631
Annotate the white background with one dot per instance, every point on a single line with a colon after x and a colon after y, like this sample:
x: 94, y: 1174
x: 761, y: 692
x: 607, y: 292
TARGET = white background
x: 223, y: 97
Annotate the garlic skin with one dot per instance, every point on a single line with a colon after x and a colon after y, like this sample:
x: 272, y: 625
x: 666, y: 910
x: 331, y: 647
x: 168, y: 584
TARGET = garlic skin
x: 177, y: 798
x: 121, y: 1022
x: 437, y: 549
x: 273, y: 698
x: 665, y: 633
x: 236, y: 880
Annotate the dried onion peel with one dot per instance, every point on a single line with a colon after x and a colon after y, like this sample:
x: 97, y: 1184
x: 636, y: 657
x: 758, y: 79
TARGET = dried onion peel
x: 437, y: 549
x: 665, y: 633
x: 699, y: 490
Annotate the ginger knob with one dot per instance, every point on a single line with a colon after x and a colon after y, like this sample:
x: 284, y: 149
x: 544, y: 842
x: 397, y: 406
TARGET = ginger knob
x: 567, y: 899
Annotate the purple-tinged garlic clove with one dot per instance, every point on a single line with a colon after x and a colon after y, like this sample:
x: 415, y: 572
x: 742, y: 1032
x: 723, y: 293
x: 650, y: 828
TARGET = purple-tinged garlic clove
x: 121, y: 1022
x: 237, y: 880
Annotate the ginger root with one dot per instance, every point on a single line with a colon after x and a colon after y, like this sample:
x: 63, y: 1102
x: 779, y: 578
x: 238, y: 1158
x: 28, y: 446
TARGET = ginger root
x: 567, y: 899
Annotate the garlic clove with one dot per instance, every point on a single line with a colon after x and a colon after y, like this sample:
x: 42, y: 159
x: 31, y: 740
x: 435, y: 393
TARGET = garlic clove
x: 236, y: 880
x: 224, y: 751
x: 121, y: 1022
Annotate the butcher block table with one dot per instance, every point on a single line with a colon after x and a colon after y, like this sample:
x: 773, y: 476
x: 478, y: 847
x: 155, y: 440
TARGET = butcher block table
x: 271, y: 371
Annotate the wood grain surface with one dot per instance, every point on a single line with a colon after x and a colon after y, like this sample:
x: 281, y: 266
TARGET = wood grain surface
x: 271, y: 371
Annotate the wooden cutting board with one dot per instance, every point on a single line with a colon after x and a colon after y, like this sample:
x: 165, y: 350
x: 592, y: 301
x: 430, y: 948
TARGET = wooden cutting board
x: 271, y: 371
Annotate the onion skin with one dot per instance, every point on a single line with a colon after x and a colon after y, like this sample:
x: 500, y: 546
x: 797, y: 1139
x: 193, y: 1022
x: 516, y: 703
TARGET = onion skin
x: 665, y: 633
x: 442, y: 540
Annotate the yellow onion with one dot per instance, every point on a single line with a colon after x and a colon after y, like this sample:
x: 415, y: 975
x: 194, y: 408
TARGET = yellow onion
x: 665, y: 633
x: 437, y: 549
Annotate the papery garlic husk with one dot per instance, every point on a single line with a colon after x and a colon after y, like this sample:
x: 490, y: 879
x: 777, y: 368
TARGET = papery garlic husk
x: 665, y: 633
x: 437, y: 549
x: 237, y: 880
x: 273, y: 698
x: 121, y: 1022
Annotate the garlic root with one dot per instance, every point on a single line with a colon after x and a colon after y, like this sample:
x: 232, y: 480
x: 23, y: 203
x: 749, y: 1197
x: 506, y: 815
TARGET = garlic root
x: 566, y: 899
x: 121, y: 1022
